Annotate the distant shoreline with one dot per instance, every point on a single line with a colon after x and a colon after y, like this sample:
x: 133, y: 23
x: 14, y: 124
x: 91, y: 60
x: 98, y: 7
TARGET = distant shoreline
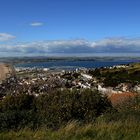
x: 73, y: 64
x: 20, y: 60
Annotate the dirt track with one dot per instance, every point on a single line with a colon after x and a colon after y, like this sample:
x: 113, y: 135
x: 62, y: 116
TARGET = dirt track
x: 4, y: 71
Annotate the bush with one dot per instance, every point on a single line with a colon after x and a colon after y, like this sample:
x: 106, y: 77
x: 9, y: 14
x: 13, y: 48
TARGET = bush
x: 51, y: 109
x: 17, y: 102
x: 61, y: 107
x: 17, y: 112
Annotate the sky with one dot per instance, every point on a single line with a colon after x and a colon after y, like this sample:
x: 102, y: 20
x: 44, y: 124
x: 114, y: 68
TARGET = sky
x: 42, y: 27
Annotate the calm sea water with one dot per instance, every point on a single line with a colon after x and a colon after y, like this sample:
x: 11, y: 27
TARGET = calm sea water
x: 63, y: 64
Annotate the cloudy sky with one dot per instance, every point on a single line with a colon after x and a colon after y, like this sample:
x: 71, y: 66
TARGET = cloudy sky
x: 42, y: 27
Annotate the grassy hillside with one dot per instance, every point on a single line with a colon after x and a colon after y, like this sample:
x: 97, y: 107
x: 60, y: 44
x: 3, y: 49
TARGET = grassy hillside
x: 99, y: 131
x: 115, y: 76
x: 68, y: 115
x: 73, y: 115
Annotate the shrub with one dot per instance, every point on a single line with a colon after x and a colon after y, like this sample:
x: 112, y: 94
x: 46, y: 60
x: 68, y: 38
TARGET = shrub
x: 61, y: 107
x: 17, y: 112
x: 52, y: 109
x: 17, y: 102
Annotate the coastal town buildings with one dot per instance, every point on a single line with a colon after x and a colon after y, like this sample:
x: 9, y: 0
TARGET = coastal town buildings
x: 40, y: 80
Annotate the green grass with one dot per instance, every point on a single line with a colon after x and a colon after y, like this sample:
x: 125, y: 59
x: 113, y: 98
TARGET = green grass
x: 73, y: 131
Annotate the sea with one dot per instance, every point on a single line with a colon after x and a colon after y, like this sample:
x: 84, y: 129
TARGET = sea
x: 73, y: 64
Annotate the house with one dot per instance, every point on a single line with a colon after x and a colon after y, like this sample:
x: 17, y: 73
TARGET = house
x: 86, y: 76
x: 137, y: 88
x: 125, y: 87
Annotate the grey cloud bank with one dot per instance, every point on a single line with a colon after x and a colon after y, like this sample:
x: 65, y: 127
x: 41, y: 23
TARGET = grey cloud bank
x: 108, y: 45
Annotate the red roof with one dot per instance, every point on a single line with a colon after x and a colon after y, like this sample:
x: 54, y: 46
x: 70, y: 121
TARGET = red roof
x: 119, y: 98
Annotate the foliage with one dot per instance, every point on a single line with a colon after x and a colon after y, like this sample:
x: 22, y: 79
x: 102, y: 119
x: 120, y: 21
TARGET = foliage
x: 61, y: 107
x: 52, y: 109
x: 51, y: 116
x: 17, y: 112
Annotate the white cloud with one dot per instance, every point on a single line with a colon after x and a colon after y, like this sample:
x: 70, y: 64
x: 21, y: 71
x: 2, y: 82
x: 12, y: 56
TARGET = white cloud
x: 108, y: 45
x: 6, y: 37
x: 118, y: 45
x: 36, y: 24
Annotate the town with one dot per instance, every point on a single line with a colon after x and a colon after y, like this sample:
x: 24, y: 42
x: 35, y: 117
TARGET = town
x: 35, y: 81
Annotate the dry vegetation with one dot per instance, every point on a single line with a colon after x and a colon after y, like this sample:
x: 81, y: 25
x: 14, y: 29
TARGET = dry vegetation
x: 5, y: 69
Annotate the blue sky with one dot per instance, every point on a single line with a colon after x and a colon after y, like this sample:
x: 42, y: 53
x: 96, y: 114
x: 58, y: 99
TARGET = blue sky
x: 66, y: 26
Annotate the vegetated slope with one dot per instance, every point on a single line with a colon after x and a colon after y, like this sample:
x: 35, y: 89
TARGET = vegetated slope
x: 68, y: 115
x: 114, y: 76
x: 73, y: 115
x: 74, y: 131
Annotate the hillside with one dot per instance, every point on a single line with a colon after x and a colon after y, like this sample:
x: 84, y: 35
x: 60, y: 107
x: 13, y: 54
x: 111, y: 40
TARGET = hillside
x: 5, y: 70
x: 112, y: 76
x: 38, y: 104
